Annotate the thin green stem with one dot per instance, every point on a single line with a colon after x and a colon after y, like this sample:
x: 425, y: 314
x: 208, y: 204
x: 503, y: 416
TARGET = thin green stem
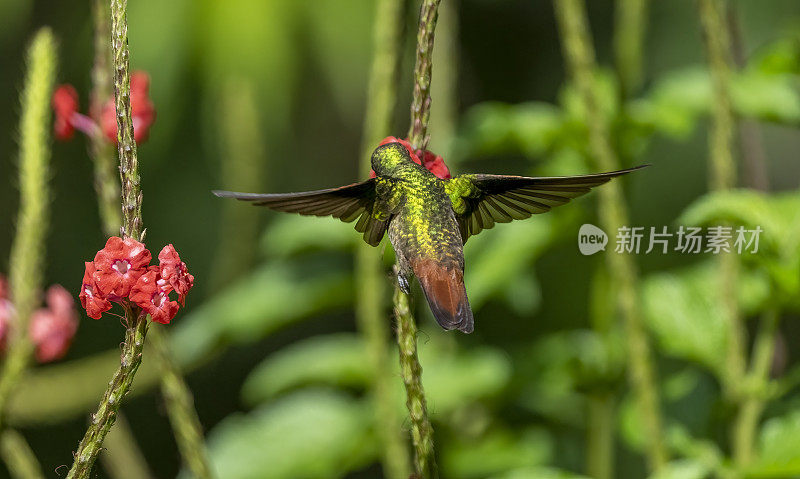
x: 106, y: 413
x: 749, y: 414
x: 26, y: 263
x: 100, y: 149
x: 136, y: 322
x: 124, y: 459
x: 579, y: 55
x: 372, y: 298
x: 629, y: 28
x: 18, y: 456
x: 600, y: 437
x: 723, y: 177
x: 411, y: 372
x: 180, y: 408
x: 410, y: 369
x: 421, y: 101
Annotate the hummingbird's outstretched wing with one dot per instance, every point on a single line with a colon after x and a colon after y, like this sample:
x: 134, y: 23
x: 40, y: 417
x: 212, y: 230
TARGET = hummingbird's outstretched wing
x: 345, y: 203
x: 480, y: 201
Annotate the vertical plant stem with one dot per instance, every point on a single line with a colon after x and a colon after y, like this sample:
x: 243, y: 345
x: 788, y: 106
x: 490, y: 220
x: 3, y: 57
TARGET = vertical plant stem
x: 600, y: 437
x: 243, y: 169
x: 747, y: 419
x: 136, y: 322
x: 629, y: 28
x: 18, y: 456
x: 723, y: 176
x: 124, y: 459
x: 101, y: 150
x: 579, y: 55
x: 27, y: 251
x: 180, y: 408
x: 371, y: 300
x: 751, y: 142
x: 410, y: 369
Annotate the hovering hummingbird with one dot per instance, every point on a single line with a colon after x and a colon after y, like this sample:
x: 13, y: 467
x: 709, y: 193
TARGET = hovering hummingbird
x: 430, y: 219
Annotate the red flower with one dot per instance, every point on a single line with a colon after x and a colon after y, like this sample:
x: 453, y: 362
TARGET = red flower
x: 92, y: 300
x: 65, y: 105
x: 151, y: 293
x: 174, y: 272
x: 433, y: 163
x: 52, y: 329
x: 143, y: 112
x: 119, y: 265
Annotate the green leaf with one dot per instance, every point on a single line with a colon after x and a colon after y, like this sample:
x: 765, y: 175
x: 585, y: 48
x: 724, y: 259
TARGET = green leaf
x: 309, y: 434
x: 451, y: 377
x: 496, y: 452
x: 683, y: 469
x: 337, y: 359
x: 289, y: 235
x: 269, y: 299
x: 539, y: 473
x: 684, y: 312
x: 779, y: 454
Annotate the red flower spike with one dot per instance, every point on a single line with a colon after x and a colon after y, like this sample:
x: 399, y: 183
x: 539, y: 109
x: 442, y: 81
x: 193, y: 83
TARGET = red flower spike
x: 174, y: 272
x: 65, y: 105
x: 152, y: 295
x: 92, y: 300
x: 51, y: 330
x: 143, y: 112
x: 119, y: 265
x: 433, y: 163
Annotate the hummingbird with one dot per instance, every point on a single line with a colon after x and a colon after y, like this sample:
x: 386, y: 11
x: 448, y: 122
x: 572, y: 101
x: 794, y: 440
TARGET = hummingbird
x: 429, y: 219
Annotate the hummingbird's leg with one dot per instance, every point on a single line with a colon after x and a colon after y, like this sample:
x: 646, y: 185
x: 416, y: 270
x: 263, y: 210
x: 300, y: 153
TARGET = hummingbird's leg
x: 402, y: 281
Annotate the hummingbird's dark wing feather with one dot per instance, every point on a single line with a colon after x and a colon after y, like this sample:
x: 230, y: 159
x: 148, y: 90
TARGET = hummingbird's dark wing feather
x: 345, y: 203
x: 480, y: 201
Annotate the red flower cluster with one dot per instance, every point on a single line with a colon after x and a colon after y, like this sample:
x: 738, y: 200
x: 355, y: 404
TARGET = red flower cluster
x: 51, y: 329
x: 68, y: 119
x: 432, y: 162
x: 121, y: 273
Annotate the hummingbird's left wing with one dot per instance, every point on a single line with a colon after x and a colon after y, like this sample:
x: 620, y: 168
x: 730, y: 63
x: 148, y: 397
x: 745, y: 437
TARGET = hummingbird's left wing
x: 345, y: 203
x: 480, y: 201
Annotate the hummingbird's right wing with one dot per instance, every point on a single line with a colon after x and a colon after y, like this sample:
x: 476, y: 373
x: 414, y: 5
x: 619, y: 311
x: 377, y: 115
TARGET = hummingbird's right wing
x: 345, y: 203
x: 480, y: 201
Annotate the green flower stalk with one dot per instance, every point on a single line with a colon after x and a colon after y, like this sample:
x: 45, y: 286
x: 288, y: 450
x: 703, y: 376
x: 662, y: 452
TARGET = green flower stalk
x: 579, y: 54
x: 19, y: 458
x: 411, y: 372
x: 410, y: 369
x: 136, y: 321
x: 101, y: 150
x: 180, y: 407
x: 372, y: 299
x: 27, y: 251
x: 629, y: 26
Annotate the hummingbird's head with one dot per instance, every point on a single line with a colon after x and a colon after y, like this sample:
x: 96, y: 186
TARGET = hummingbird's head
x: 388, y: 158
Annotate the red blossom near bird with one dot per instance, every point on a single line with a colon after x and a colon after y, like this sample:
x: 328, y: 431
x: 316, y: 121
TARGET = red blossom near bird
x: 92, y: 300
x: 143, y: 113
x: 432, y: 162
x: 51, y: 329
x: 151, y: 293
x: 174, y: 271
x: 65, y: 105
x: 119, y: 265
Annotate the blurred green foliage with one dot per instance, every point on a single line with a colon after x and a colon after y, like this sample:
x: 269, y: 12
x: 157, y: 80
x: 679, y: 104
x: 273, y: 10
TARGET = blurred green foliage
x: 278, y: 372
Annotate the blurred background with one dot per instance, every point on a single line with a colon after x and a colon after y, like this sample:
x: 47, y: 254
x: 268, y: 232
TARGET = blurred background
x: 269, y: 95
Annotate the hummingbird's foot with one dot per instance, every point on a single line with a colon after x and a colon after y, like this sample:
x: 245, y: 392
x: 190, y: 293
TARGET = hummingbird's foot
x: 402, y: 281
